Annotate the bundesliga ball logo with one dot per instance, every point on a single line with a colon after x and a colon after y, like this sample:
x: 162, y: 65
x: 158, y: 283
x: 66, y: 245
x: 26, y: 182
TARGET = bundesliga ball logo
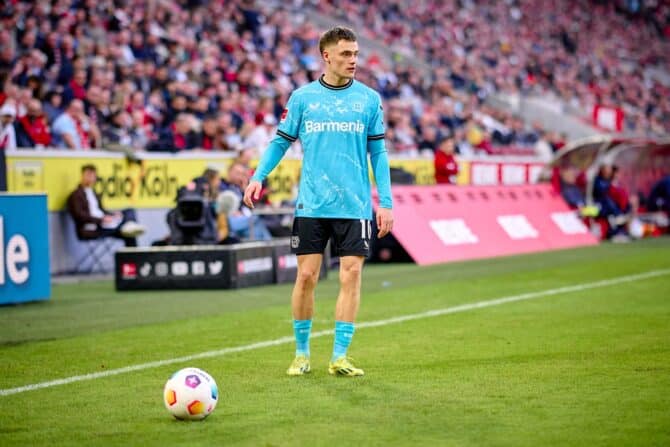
x: 190, y: 394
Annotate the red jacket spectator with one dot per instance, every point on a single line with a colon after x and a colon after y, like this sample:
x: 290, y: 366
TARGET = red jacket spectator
x: 37, y: 129
x: 446, y: 166
x: 76, y: 88
x: 33, y: 128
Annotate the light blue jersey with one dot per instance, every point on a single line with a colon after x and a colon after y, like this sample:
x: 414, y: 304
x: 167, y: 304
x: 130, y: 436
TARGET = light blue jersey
x: 338, y: 127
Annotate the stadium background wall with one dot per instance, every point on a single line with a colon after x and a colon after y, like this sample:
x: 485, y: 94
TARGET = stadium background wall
x: 148, y: 182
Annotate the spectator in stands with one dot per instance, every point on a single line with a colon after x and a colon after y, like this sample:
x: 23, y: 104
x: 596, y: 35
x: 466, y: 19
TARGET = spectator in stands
x: 180, y: 135
x: 32, y: 129
x: 446, y: 166
x: 178, y: 105
x: 463, y: 146
x: 429, y: 139
x: 229, y: 137
x: 72, y: 129
x: 530, y: 48
x: 260, y: 136
x: 542, y: 147
x: 557, y: 140
x: 53, y: 105
x: 149, y: 58
x: 92, y: 220
x: 118, y: 134
x: 209, y: 138
x: 76, y: 88
x: 7, y: 131
x: 97, y: 107
x: 141, y: 130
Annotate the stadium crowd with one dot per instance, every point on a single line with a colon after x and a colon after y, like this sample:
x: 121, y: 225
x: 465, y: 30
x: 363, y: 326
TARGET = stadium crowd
x: 582, y: 53
x: 172, y: 76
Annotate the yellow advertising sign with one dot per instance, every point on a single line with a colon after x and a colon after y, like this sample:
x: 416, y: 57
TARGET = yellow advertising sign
x: 463, y: 177
x: 153, y: 181
x: 150, y: 183
x: 424, y: 170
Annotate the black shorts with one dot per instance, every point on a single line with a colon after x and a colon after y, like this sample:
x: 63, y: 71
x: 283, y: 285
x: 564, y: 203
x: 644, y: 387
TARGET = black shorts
x: 351, y: 237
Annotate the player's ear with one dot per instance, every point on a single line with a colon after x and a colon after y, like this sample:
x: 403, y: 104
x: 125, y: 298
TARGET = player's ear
x: 326, y: 57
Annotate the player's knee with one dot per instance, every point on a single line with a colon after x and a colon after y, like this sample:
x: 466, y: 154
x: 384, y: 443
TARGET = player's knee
x: 350, y: 272
x: 307, y: 277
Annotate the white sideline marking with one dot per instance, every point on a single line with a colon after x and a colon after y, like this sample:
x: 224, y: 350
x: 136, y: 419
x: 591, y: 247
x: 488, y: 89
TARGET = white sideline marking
x: 290, y: 339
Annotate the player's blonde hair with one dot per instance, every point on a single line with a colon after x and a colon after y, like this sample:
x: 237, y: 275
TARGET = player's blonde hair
x: 334, y: 35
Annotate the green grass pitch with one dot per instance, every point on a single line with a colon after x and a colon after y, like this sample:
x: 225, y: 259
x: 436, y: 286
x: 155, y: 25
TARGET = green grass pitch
x: 587, y: 365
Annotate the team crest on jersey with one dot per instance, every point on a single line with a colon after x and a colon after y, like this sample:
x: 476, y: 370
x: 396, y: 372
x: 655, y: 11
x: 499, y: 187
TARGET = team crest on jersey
x: 357, y: 106
x: 284, y: 114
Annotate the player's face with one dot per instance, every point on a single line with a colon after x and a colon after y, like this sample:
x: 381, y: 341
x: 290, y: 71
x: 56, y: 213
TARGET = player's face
x: 341, y: 59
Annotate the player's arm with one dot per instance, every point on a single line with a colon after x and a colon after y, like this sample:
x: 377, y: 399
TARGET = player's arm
x: 270, y: 159
x: 287, y: 133
x: 381, y: 171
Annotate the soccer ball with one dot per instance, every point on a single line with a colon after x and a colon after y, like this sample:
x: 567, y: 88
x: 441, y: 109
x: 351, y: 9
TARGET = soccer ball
x: 190, y: 394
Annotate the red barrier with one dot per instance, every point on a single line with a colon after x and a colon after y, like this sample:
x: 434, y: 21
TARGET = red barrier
x: 451, y: 223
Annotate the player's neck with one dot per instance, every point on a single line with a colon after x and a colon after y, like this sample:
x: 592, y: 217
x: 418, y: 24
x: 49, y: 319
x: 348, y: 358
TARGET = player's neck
x: 334, y: 80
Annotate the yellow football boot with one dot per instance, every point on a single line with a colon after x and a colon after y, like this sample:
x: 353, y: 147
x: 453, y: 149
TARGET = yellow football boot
x: 343, y: 367
x: 299, y: 366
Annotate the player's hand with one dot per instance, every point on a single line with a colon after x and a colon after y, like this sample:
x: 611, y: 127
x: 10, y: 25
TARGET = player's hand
x: 252, y: 192
x: 384, y: 221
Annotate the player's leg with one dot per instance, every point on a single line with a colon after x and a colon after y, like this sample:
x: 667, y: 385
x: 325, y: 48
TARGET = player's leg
x: 352, y: 241
x: 346, y: 310
x: 349, y: 298
x: 302, y: 305
x: 308, y: 244
x: 302, y: 298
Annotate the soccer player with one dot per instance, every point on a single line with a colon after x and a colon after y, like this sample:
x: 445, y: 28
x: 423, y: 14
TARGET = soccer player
x: 339, y: 121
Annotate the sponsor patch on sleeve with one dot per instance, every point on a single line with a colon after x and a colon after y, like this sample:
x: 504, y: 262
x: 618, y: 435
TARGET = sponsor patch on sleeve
x: 284, y: 114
